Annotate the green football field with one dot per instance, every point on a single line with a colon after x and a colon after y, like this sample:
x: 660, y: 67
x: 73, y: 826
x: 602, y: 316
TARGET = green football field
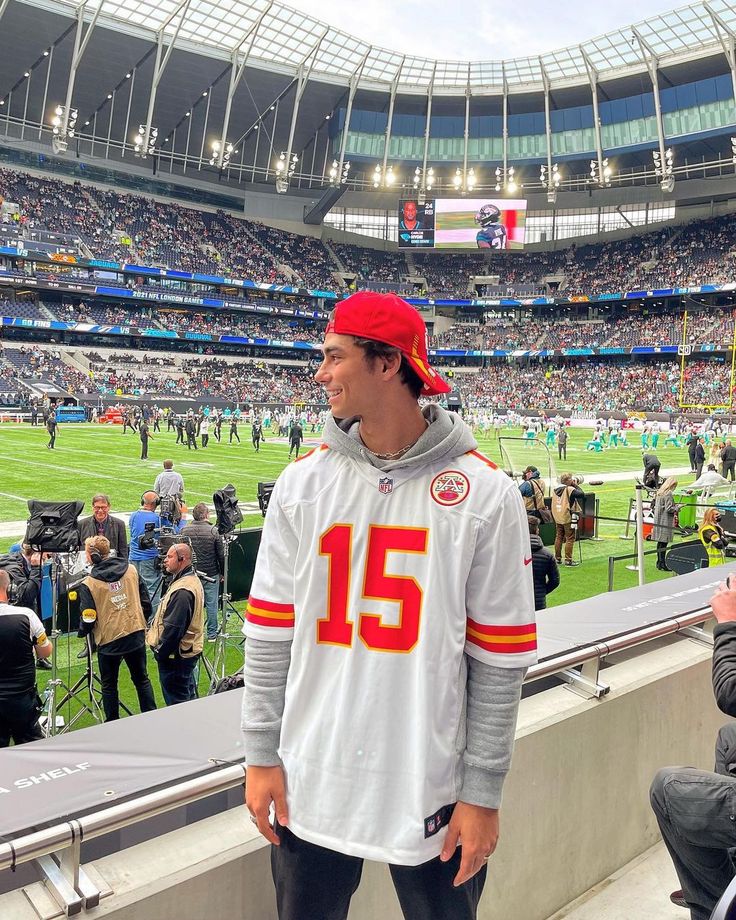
x: 94, y: 458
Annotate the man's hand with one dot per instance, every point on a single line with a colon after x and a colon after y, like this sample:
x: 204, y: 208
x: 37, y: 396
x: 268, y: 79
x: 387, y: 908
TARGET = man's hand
x: 475, y: 829
x: 723, y: 603
x: 264, y: 785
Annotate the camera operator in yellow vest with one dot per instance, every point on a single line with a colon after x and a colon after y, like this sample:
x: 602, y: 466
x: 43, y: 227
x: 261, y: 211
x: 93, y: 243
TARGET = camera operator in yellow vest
x: 177, y: 632
x: 114, y: 605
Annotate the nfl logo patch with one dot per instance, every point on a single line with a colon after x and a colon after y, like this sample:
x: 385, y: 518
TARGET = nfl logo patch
x: 431, y: 826
x: 385, y: 485
x: 114, y: 585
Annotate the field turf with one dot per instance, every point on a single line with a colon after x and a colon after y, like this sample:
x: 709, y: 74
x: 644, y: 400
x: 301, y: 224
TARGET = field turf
x: 95, y: 458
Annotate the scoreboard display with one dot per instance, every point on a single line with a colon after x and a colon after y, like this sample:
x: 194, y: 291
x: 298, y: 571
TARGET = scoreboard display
x: 462, y: 223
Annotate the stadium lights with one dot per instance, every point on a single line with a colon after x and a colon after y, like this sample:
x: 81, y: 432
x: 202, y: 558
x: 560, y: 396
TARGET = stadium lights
x: 605, y: 177
x: 507, y: 182
x: 387, y: 179
x: 221, y: 156
x: 141, y: 148
x: 340, y: 178
x: 664, y: 169
x: 284, y: 171
x: 423, y: 182
x: 464, y: 183
x: 551, y: 181
x: 63, y: 126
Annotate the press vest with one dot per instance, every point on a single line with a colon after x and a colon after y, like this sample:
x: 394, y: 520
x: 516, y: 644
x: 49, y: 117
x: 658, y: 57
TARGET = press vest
x: 561, y: 509
x: 118, y: 605
x: 192, y: 641
x: 707, y: 534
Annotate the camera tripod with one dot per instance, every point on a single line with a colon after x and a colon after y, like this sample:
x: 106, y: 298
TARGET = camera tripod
x: 85, y: 691
x: 217, y: 667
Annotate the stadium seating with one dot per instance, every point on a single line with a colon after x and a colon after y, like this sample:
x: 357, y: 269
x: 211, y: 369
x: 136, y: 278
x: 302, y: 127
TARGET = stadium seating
x: 184, y: 238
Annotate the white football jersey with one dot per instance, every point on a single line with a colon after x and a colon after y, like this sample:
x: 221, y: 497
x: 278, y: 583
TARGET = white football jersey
x: 383, y: 581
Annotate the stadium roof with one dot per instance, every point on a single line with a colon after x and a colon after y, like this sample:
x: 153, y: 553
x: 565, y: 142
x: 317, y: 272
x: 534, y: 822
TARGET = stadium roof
x: 284, y: 37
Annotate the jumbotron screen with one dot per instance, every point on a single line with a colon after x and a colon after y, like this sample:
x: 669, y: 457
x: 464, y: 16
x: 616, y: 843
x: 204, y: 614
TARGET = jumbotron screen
x: 462, y: 223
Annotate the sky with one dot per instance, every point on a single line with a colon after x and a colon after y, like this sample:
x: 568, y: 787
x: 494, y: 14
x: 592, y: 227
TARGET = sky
x: 465, y: 30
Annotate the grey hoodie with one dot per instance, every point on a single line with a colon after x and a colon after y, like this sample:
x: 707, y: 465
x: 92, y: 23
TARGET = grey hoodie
x: 492, y: 693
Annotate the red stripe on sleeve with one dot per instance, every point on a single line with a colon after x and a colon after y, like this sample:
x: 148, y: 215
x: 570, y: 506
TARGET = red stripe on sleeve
x: 491, y: 631
x: 269, y: 605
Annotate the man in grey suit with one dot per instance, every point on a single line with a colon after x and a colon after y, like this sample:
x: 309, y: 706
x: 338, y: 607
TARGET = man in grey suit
x: 101, y: 523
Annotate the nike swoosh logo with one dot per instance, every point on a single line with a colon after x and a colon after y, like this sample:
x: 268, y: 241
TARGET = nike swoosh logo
x: 527, y: 561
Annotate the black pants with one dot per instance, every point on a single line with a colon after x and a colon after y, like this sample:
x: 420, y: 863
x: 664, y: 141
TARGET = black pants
x: 144, y: 449
x: 169, y: 424
x: 177, y: 679
x: 217, y: 434
x: 694, y: 810
x: 691, y: 458
x: 19, y: 718
x: 728, y: 470
x: 257, y: 444
x: 191, y: 441
x: 109, y: 671
x: 294, y: 446
x: 156, y: 426
x: 233, y: 431
x: 661, y: 551
x: 52, y: 439
x: 313, y: 882
x: 562, y: 451
x: 179, y: 435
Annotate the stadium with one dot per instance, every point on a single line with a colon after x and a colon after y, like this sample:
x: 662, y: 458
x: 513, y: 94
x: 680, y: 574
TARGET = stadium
x: 189, y: 191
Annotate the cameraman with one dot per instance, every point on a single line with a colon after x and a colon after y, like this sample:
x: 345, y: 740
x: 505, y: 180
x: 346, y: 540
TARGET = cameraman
x: 25, y: 573
x: 210, y: 560
x: 567, y: 502
x: 145, y: 530
x: 177, y: 632
x: 169, y: 482
x: 21, y: 632
x: 114, y: 606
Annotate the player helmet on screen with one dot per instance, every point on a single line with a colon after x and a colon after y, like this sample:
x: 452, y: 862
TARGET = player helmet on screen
x: 488, y: 214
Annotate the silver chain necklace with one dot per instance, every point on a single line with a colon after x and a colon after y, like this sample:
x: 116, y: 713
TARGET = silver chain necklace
x: 402, y: 450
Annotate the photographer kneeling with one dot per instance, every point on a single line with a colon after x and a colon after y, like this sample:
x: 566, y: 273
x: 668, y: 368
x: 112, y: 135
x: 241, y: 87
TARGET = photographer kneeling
x: 177, y: 632
x: 567, y: 501
x: 114, y: 605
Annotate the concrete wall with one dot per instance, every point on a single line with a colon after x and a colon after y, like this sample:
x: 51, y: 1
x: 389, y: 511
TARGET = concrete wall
x: 575, y: 809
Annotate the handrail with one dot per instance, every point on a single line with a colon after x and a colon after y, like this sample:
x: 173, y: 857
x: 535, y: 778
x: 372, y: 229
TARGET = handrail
x: 619, y: 643
x: 44, y: 842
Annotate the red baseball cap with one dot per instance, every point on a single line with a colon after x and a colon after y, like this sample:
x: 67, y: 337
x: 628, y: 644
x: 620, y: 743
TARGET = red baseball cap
x: 389, y: 319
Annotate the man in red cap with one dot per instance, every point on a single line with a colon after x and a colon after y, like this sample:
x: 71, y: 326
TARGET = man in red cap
x: 389, y: 627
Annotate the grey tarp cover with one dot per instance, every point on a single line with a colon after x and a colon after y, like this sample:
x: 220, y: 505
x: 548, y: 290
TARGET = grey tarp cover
x: 43, y: 783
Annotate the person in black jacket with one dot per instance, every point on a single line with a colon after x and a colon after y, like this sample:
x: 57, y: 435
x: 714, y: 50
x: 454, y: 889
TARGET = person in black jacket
x: 699, y: 457
x: 210, y: 561
x: 102, y: 524
x: 728, y: 461
x: 694, y: 808
x: 651, y: 471
x: 544, y: 567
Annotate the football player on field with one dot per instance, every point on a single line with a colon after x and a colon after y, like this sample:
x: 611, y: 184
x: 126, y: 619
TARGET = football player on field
x: 389, y: 629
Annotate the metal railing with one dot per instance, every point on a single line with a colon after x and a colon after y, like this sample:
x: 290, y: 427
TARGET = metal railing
x: 56, y: 849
